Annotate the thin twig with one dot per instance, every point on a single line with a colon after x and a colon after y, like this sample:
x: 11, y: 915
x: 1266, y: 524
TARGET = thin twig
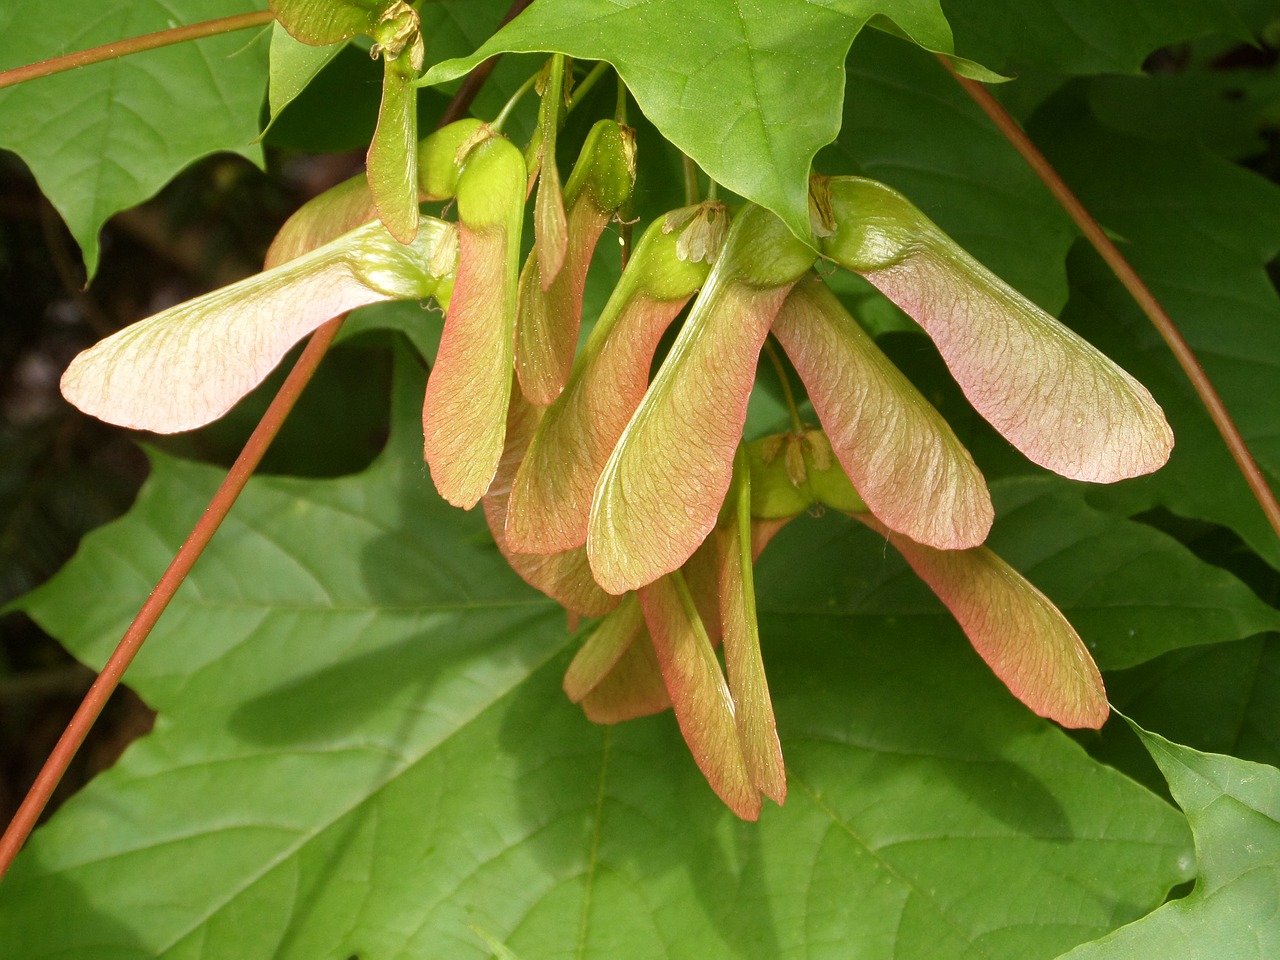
x: 233, y: 484
x: 37, y: 797
x: 1141, y: 294
x: 121, y: 48
x: 461, y: 102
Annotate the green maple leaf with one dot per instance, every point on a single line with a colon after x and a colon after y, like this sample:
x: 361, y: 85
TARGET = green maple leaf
x: 727, y: 97
x: 106, y: 137
x: 1233, y: 807
x: 356, y: 694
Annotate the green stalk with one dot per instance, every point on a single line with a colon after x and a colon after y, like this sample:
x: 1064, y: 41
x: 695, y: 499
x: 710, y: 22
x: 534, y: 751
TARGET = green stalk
x: 584, y: 86
x: 781, y: 371
x: 510, y: 105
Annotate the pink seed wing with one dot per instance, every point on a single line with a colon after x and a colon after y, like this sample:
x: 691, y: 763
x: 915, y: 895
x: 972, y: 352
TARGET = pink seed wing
x: 661, y: 491
x: 603, y: 648
x: 564, y: 576
x: 699, y: 694
x: 1050, y: 393
x: 552, y: 492
x: 464, y: 411
x: 757, y: 729
x: 633, y: 688
x: 903, y: 458
x: 1015, y: 628
x: 190, y: 364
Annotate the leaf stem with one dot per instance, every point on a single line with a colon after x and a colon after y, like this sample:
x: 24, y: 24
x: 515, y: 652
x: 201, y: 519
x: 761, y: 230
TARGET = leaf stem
x: 46, y: 781
x: 1141, y: 294
x: 462, y: 100
x: 584, y: 86
x: 691, y: 193
x: 122, y: 48
x: 620, y: 107
x: 500, y: 120
x: 797, y: 425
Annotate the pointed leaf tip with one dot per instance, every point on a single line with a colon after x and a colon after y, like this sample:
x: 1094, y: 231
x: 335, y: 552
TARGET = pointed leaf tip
x: 1050, y: 393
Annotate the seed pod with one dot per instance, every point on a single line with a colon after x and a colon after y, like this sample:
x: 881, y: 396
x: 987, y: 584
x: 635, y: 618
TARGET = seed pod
x: 1050, y: 393
x: 442, y: 155
x: 551, y: 495
x: 465, y: 409
x: 665, y: 481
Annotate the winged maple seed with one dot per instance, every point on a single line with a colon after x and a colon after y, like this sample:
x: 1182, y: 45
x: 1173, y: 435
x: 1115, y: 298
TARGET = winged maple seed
x: 637, y: 500
x: 663, y: 487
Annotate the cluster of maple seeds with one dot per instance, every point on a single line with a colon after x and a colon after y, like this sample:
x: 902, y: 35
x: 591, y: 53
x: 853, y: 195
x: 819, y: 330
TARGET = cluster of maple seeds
x: 638, y: 501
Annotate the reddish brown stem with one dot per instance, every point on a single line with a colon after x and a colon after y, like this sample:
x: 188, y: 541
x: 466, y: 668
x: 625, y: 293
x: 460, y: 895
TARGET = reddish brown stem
x: 461, y: 102
x: 33, y: 804
x: 121, y: 48
x: 1143, y: 296
x: 255, y: 447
